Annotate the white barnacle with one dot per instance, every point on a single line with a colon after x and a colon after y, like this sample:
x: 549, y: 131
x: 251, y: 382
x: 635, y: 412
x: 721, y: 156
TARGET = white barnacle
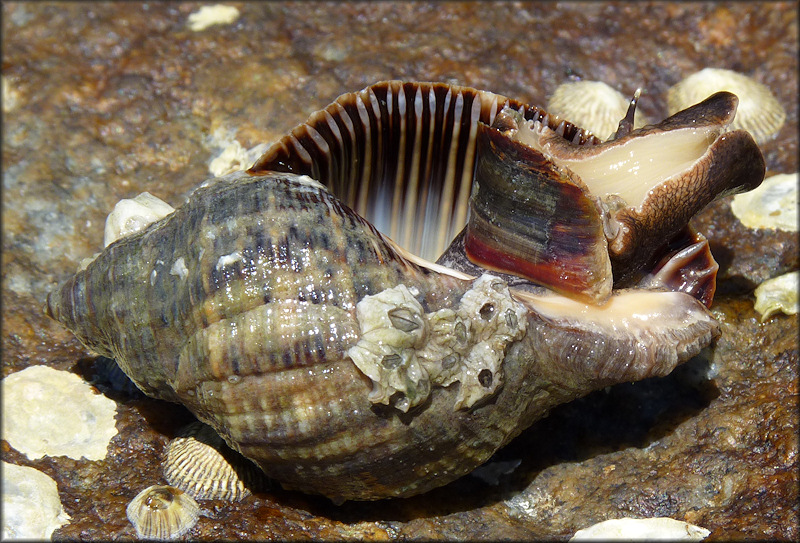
x: 392, y: 327
x: 133, y: 215
x: 495, y: 321
x: 207, y: 16
x: 773, y: 204
x: 642, y: 529
x: 233, y: 157
x: 759, y: 112
x: 179, y: 268
x: 406, y: 351
x: 778, y: 294
x: 226, y: 260
x: 56, y: 413
x: 32, y: 509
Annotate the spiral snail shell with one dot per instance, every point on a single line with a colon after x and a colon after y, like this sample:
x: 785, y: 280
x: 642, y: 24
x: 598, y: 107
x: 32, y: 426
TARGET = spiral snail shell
x: 342, y: 364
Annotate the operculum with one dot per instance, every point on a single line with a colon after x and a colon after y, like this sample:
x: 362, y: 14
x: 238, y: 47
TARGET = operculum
x: 533, y: 218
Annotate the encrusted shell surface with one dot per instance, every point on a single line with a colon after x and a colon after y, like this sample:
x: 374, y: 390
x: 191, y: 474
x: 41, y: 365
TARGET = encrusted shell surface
x: 759, y: 111
x: 200, y: 463
x: 162, y: 512
x: 593, y: 105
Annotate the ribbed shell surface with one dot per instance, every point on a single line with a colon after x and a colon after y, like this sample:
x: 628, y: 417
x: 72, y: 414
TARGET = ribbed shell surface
x: 402, y: 155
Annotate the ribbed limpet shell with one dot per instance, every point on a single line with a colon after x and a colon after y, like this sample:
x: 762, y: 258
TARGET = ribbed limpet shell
x: 593, y: 105
x: 759, y: 111
x: 162, y: 512
x: 199, y: 463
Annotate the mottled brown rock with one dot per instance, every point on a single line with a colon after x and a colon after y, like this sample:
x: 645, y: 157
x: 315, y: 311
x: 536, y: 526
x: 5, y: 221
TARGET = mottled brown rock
x: 114, y: 99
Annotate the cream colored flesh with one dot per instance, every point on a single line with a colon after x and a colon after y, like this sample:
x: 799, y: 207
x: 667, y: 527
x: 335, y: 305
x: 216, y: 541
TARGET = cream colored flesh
x: 633, y: 168
x: 628, y: 311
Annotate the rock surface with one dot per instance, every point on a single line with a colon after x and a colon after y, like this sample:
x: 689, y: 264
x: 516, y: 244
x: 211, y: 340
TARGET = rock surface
x: 105, y: 101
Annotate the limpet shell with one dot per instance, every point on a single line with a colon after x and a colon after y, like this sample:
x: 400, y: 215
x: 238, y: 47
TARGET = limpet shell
x: 162, y: 512
x: 594, y: 105
x: 771, y: 205
x: 759, y: 111
x: 199, y: 463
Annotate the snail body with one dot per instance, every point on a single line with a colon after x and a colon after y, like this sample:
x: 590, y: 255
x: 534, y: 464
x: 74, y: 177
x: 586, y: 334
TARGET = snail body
x: 331, y: 356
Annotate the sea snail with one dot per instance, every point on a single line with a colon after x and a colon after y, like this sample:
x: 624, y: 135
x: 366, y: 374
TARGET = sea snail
x: 344, y: 365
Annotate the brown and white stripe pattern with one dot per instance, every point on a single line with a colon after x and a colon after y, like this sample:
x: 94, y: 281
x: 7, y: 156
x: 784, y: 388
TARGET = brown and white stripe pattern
x: 402, y: 155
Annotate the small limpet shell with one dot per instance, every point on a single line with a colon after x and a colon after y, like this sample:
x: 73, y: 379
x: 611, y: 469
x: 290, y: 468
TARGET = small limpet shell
x: 771, y: 205
x: 200, y: 463
x: 759, y: 111
x: 778, y: 294
x: 593, y: 105
x: 162, y: 512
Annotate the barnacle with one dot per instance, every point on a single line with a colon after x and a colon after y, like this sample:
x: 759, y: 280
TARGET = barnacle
x: 772, y: 205
x: 642, y: 529
x: 759, y: 111
x: 778, y: 294
x: 162, y: 512
x: 32, y: 509
x: 51, y: 412
x: 406, y: 351
x: 133, y: 215
x: 593, y: 105
x: 199, y: 463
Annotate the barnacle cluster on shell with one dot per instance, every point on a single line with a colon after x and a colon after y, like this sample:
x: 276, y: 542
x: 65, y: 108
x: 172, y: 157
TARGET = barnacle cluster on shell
x: 594, y: 105
x: 162, y: 512
x: 407, y: 351
x: 759, y: 111
x: 199, y: 463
